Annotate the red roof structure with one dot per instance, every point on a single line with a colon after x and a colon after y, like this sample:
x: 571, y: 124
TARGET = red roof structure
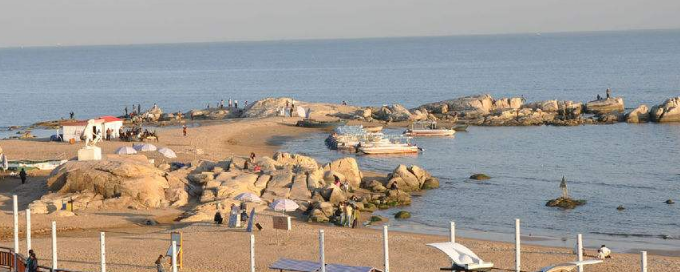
x: 110, y: 118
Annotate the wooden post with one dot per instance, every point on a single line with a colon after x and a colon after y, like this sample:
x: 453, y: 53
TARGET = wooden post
x: 102, y: 243
x: 518, y: 252
x: 322, y: 255
x: 252, y: 253
x: 643, y: 262
x: 16, y: 231
x: 28, y: 231
x: 54, y: 245
x: 579, y: 244
x: 174, y: 256
x: 386, y: 249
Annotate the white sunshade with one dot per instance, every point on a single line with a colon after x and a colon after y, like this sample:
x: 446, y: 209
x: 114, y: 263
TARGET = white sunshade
x: 286, y: 205
x: 167, y: 152
x: 248, y: 197
x: 461, y: 255
x: 126, y: 150
x: 145, y: 147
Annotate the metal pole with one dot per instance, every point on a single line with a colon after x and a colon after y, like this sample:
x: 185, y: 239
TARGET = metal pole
x: 102, y: 242
x: 16, y: 231
x: 644, y: 261
x: 252, y: 253
x: 386, y: 249
x: 518, y: 252
x: 174, y: 256
x: 453, y: 232
x: 28, y: 231
x: 54, y: 245
x: 579, y: 244
x: 322, y: 258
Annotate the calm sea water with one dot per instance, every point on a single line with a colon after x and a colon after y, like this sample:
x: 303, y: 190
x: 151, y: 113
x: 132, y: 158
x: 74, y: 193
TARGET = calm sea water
x: 631, y: 165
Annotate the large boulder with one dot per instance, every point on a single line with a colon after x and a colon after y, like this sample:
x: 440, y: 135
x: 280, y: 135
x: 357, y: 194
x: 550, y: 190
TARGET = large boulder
x: 348, y: 167
x: 548, y: 105
x: 604, y: 106
x: 393, y: 113
x: 408, y: 178
x: 669, y: 111
x: 268, y: 107
x: 300, y: 162
x: 131, y: 176
x: 638, y: 115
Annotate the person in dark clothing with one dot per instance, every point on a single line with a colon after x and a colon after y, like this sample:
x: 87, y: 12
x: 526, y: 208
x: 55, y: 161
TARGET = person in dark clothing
x: 22, y: 175
x: 599, y: 97
x: 218, y: 218
x: 32, y: 262
x: 609, y: 93
x: 72, y: 114
x: 139, y: 108
x: 244, y: 216
x: 126, y: 111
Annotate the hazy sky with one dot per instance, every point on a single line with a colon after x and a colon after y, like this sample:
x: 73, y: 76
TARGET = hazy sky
x: 78, y: 22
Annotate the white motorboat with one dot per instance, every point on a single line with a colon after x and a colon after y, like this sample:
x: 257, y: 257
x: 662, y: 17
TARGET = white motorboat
x: 428, y: 128
x: 387, y: 146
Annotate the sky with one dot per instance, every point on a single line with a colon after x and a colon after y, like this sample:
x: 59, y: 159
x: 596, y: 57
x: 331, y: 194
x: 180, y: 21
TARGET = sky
x: 94, y: 22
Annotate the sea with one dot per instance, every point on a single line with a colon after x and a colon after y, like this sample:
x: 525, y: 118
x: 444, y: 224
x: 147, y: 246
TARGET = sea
x: 633, y: 165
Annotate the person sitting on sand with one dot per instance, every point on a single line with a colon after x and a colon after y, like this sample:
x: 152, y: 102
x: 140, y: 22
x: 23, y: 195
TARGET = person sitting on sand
x: 218, y: 218
x: 604, y: 253
x: 159, y: 264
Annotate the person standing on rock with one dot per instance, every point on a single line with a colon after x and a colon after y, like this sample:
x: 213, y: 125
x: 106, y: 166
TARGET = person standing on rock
x: 22, y: 175
x: 222, y: 104
x: 139, y: 108
x: 236, y: 104
x: 609, y: 93
x: 159, y: 264
x: 126, y: 111
x: 230, y: 102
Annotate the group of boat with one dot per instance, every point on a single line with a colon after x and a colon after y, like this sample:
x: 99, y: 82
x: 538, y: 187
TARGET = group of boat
x: 371, y: 141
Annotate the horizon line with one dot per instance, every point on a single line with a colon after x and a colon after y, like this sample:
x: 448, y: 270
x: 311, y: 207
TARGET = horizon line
x: 344, y: 38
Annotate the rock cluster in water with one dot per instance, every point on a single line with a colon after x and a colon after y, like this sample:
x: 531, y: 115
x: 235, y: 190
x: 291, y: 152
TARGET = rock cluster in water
x: 565, y: 203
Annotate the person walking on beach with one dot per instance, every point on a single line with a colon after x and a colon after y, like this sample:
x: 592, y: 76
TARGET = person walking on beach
x: 609, y: 93
x: 159, y: 264
x: 184, y: 130
x: 22, y: 175
x: 32, y: 262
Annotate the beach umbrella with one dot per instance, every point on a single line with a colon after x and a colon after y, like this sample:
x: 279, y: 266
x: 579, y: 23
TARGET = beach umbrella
x: 145, y: 147
x: 284, y: 205
x: 248, y: 197
x: 167, y: 152
x: 126, y: 150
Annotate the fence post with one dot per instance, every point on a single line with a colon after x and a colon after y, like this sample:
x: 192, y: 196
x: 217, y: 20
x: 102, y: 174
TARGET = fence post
x: 252, y: 253
x: 322, y: 254
x: 452, y: 228
x: 579, y: 250
x: 174, y: 256
x: 643, y: 262
x: 54, y: 245
x: 518, y: 252
x: 102, y: 242
x: 16, y: 231
x: 28, y: 231
x: 386, y: 248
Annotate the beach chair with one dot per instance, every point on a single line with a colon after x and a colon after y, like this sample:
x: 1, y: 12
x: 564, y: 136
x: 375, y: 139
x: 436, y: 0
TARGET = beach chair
x: 463, y: 258
x: 567, y: 267
x: 307, y: 266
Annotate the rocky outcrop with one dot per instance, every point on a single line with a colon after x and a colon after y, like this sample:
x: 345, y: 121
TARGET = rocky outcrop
x: 604, y: 106
x: 397, y: 113
x: 408, y: 179
x: 348, y: 168
x: 480, y: 177
x: 669, y: 111
x: 565, y: 203
x: 132, y: 177
x: 638, y: 115
x: 473, y: 105
x: 268, y: 107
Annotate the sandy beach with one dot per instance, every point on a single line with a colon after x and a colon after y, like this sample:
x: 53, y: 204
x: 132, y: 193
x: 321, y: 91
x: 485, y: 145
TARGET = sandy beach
x: 133, y: 246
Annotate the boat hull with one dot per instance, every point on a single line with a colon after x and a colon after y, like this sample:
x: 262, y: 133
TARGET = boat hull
x: 430, y: 132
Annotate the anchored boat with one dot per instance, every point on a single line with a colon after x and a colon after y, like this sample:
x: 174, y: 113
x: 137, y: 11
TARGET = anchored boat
x: 388, y: 145
x: 428, y: 128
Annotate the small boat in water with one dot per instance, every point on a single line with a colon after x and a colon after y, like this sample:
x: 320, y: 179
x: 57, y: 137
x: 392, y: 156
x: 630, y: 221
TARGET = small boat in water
x: 461, y: 127
x: 381, y: 145
x: 311, y: 123
x: 428, y: 128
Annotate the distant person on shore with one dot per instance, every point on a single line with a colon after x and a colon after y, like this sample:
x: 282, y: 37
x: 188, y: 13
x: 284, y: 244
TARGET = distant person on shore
x: 236, y: 104
x: 244, y: 216
x: 31, y: 262
x: 218, y: 218
x: 609, y: 93
x: 604, y: 253
x: 139, y: 108
x: 126, y: 111
x: 252, y: 156
x: 222, y: 104
x: 22, y: 175
x: 336, y: 181
x: 245, y: 104
x: 230, y: 102
x: 599, y: 97
x: 159, y: 264
x: 344, y: 103
x: 184, y: 130
x: 72, y: 115
x: 345, y: 186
